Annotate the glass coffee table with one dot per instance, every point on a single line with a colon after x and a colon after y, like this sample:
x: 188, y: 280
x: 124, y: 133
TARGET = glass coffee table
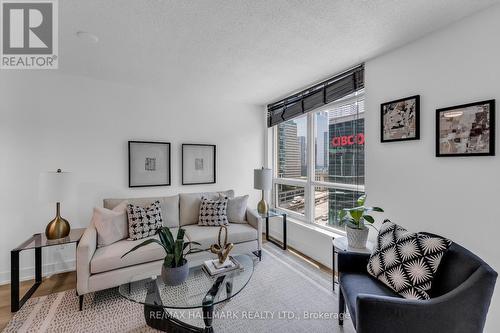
x: 200, y: 290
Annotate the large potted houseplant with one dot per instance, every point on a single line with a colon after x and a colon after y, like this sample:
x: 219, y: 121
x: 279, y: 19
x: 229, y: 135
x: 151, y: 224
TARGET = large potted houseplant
x: 354, y: 220
x: 175, y: 268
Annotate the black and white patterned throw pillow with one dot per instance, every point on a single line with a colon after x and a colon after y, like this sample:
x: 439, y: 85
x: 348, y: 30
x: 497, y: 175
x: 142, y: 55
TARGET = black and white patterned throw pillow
x: 406, y: 261
x: 213, y: 212
x: 144, y: 221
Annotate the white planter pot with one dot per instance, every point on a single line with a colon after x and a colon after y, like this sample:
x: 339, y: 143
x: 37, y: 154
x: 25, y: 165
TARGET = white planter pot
x: 356, y: 238
x: 175, y: 276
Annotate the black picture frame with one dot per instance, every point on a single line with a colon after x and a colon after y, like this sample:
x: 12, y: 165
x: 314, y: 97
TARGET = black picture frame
x: 168, y: 169
x: 201, y: 145
x: 462, y: 107
x: 417, y: 119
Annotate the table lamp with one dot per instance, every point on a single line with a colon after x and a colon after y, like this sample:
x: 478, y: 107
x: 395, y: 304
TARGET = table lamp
x: 262, y: 180
x: 56, y: 187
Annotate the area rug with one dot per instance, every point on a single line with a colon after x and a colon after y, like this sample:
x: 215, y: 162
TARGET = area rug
x: 285, y: 294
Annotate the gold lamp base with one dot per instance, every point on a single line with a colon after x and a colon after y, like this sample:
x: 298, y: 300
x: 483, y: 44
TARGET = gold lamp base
x: 262, y: 206
x: 58, y: 227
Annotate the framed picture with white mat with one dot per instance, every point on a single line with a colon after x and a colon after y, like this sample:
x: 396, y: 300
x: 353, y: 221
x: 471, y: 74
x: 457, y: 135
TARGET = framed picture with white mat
x: 198, y: 164
x: 148, y: 164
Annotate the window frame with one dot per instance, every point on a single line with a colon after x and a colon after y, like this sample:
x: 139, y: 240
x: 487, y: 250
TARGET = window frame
x: 310, y: 183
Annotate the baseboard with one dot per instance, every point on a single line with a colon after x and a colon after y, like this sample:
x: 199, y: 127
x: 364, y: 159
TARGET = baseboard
x: 28, y: 273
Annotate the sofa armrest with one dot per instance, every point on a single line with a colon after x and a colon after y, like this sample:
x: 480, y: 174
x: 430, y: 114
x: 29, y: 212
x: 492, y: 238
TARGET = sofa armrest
x: 463, y: 309
x: 84, y: 253
x: 350, y: 262
x: 254, y: 219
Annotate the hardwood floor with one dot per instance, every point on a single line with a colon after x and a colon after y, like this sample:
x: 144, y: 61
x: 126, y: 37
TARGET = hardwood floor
x: 67, y: 281
x: 50, y: 284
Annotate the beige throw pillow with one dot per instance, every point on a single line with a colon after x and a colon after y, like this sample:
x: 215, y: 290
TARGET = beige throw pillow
x: 236, y: 209
x: 111, y: 224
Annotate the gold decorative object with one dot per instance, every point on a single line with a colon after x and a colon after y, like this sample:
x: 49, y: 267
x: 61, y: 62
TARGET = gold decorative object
x: 222, y: 250
x: 262, y: 207
x: 55, y: 187
x: 58, y: 227
x: 262, y: 180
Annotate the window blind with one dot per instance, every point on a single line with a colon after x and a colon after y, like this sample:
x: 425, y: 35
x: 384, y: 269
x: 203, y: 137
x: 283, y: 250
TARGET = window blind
x: 318, y: 95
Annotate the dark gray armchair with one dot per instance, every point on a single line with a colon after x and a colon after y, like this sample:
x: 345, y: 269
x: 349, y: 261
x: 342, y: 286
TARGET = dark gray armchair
x: 460, y: 297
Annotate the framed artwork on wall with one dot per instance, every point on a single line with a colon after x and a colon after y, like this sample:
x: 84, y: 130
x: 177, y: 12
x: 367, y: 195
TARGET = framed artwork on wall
x: 198, y: 164
x: 148, y: 164
x: 466, y: 130
x: 400, y: 119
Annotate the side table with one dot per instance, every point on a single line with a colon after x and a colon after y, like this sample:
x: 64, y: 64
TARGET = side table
x: 35, y: 242
x: 340, y: 244
x: 275, y: 213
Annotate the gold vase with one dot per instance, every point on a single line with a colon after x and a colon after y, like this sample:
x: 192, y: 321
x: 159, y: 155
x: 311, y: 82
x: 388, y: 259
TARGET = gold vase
x: 262, y: 206
x: 58, y: 227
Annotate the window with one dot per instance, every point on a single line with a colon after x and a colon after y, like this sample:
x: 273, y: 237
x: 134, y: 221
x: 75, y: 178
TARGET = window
x: 292, y: 149
x: 329, y: 202
x: 331, y: 141
x: 291, y: 198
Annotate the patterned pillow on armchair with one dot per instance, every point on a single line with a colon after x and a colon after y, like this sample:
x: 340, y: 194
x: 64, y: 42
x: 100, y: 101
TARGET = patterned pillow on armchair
x: 406, y: 261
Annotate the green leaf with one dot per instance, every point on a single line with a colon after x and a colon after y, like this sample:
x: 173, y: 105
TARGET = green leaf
x: 361, y: 200
x: 149, y: 241
x: 169, y: 260
x: 163, y: 238
x: 353, y: 225
x: 377, y: 209
x: 169, y: 237
x: 369, y: 218
x: 186, y: 244
x: 180, y: 234
x: 178, y: 252
x: 356, y: 215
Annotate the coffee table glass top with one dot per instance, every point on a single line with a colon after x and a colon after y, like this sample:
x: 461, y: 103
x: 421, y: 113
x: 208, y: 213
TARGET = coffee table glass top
x: 193, y: 293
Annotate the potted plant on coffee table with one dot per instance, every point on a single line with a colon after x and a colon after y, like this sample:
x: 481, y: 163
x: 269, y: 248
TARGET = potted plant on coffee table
x: 175, y: 268
x: 354, y: 219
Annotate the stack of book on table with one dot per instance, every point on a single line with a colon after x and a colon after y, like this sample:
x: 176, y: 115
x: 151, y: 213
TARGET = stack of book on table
x: 214, y: 267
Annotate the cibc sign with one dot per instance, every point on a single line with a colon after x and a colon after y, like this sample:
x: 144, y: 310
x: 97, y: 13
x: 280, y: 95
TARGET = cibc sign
x: 348, y: 140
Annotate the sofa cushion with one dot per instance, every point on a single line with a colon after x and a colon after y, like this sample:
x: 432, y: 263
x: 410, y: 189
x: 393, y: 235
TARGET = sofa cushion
x: 144, y: 222
x: 170, y: 211
x: 108, y: 258
x: 237, y: 209
x: 353, y: 284
x: 213, y: 212
x: 169, y: 207
x: 206, y: 236
x: 111, y: 225
x: 189, y: 205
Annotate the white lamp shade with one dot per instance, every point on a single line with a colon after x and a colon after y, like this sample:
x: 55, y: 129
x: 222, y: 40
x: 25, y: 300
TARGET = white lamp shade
x: 262, y: 179
x: 55, y: 186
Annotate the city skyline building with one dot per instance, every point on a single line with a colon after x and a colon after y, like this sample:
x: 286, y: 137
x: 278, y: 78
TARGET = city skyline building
x: 289, y: 151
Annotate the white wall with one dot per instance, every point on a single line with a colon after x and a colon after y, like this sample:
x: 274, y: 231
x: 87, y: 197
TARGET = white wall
x: 50, y: 121
x: 308, y: 239
x: 455, y: 197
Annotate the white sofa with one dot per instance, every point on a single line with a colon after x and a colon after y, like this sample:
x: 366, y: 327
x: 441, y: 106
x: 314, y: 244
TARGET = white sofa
x: 100, y: 268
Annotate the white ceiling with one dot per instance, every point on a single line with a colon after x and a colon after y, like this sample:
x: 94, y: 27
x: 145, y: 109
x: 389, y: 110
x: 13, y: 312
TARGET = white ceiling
x: 250, y: 51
